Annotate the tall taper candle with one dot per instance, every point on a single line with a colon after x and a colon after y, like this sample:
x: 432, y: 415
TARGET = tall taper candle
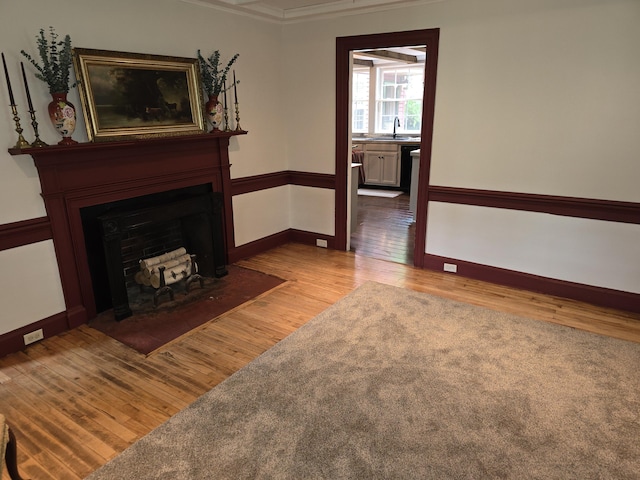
x: 6, y: 74
x: 235, y: 90
x: 26, y: 87
x: 224, y: 87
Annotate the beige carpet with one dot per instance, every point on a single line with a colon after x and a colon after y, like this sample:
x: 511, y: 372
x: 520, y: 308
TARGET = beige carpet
x: 393, y: 384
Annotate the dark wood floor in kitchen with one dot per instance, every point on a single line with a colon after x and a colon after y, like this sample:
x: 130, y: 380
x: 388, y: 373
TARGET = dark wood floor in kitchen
x: 385, y: 230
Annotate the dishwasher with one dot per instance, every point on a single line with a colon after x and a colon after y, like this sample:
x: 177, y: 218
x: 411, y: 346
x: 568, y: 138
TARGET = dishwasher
x: 405, y: 166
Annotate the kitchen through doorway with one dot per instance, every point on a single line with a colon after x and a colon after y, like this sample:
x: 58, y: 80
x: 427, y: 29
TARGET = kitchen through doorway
x: 385, y: 113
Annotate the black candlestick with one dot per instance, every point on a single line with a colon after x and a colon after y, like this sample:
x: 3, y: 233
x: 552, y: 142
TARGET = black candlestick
x: 6, y: 74
x: 21, y: 143
x: 37, y: 142
x: 26, y: 87
x: 235, y: 89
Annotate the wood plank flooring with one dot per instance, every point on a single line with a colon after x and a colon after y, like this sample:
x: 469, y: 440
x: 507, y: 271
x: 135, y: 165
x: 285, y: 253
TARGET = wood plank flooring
x: 78, y: 399
x: 385, y: 229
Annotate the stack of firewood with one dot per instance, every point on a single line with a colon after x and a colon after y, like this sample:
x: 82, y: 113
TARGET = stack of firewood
x: 173, y: 266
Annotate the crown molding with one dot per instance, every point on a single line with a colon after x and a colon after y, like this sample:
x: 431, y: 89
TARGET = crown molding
x: 262, y: 10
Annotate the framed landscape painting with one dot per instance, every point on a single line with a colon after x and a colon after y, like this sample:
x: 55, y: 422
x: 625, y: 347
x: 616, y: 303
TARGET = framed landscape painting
x: 131, y: 95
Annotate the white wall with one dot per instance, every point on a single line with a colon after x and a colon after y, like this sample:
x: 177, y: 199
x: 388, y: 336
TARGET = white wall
x: 541, y: 102
x: 32, y: 293
x: 314, y: 209
x: 593, y: 252
x: 162, y: 27
x: 534, y: 96
x: 255, y: 216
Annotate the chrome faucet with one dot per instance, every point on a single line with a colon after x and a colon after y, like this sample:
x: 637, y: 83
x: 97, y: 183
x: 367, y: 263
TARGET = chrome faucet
x: 396, y: 121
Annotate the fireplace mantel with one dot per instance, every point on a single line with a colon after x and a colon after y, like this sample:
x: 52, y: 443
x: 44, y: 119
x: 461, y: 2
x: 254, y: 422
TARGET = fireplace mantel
x: 86, y: 174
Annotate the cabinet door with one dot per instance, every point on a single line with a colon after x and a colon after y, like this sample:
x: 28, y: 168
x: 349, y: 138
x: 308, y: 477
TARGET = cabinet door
x: 390, y: 170
x: 381, y: 164
x: 373, y: 168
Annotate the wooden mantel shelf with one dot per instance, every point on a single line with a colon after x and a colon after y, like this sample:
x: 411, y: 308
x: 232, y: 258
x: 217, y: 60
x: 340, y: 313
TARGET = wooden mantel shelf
x: 120, y: 144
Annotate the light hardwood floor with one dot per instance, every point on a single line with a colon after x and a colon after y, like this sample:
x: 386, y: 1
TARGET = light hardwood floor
x: 78, y: 399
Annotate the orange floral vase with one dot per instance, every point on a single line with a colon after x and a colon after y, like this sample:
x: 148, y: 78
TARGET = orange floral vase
x: 63, y: 116
x: 213, y: 108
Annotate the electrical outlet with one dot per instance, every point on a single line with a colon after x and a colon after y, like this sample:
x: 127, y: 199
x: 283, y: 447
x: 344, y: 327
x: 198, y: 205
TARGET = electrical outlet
x: 450, y: 267
x: 32, y: 337
x: 321, y: 243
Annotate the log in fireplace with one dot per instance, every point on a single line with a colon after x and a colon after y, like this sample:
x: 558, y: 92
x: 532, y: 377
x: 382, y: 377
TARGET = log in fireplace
x: 90, y: 174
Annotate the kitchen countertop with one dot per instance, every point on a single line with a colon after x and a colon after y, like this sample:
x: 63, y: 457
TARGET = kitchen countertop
x: 399, y: 139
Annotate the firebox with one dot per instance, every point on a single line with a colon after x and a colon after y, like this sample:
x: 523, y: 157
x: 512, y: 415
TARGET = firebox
x: 118, y: 234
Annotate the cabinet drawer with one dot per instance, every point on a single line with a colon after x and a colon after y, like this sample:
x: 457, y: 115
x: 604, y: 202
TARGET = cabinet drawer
x: 380, y: 147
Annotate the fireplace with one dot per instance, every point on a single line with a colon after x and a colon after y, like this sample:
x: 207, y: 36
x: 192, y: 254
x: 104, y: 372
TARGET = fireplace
x: 77, y: 178
x: 119, y: 234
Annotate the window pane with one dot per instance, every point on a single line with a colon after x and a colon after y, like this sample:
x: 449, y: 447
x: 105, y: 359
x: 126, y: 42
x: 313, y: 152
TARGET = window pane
x: 400, y: 95
x: 413, y: 115
x: 360, y: 101
x: 388, y: 78
x: 360, y: 115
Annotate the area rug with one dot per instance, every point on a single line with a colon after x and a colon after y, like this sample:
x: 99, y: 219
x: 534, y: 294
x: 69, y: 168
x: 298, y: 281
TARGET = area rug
x: 371, y: 192
x: 393, y: 384
x: 151, y: 327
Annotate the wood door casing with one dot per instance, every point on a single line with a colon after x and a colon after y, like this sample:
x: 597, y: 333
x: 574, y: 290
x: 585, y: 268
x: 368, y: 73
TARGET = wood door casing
x: 344, y: 47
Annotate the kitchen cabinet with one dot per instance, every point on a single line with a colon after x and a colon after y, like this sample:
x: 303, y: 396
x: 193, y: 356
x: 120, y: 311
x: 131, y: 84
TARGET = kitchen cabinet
x: 381, y: 164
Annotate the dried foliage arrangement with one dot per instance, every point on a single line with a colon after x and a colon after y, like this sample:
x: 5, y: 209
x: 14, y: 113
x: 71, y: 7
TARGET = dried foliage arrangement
x: 56, y: 57
x: 213, y: 77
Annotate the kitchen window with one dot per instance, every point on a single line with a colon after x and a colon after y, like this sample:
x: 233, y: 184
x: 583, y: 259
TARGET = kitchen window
x: 360, y: 107
x: 397, y: 92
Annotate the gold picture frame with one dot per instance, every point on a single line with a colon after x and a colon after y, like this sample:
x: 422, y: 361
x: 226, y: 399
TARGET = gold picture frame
x: 131, y: 95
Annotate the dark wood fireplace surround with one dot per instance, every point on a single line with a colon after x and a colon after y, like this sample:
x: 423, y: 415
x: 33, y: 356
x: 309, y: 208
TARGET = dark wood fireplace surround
x: 83, y: 175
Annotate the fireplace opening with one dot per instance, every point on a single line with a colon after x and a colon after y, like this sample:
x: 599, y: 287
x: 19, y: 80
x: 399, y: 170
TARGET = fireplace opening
x: 119, y: 234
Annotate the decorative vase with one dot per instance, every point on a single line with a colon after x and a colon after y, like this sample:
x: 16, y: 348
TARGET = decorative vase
x: 63, y: 116
x: 214, y: 112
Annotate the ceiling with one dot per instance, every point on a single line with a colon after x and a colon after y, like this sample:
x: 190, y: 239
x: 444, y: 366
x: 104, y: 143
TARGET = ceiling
x: 287, y: 11
x: 391, y: 55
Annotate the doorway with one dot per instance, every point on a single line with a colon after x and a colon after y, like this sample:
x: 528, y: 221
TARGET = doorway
x: 387, y: 86
x: 344, y: 47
